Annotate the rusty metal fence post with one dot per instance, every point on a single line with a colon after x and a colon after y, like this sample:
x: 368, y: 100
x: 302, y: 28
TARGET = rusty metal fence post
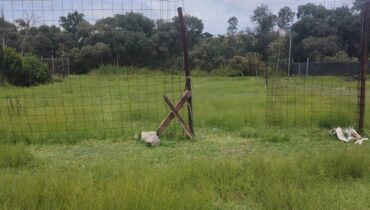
x: 364, y: 63
x: 186, y: 67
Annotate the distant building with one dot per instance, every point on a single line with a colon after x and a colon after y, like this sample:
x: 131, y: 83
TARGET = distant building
x: 207, y: 35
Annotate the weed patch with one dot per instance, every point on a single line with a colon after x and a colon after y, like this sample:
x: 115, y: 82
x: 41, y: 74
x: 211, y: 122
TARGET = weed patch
x: 14, y: 156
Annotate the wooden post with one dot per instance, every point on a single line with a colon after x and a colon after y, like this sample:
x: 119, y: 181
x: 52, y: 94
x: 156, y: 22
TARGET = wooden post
x: 364, y: 63
x: 290, y: 52
x: 178, y: 116
x: 256, y: 64
x: 266, y: 76
x: 307, y: 65
x: 171, y: 115
x: 52, y: 64
x: 68, y: 67
x: 186, y: 67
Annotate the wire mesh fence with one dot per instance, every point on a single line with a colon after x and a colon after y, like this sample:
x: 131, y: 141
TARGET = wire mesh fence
x: 58, y: 67
x: 108, y: 101
x: 48, y: 12
x: 312, y: 85
x: 314, y: 95
x: 96, y: 105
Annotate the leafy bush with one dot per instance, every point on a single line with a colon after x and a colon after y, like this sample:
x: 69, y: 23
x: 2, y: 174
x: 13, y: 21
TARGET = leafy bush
x: 341, y: 56
x: 34, y: 71
x: 89, y: 57
x: 26, y: 71
x: 12, y: 66
x: 248, y: 64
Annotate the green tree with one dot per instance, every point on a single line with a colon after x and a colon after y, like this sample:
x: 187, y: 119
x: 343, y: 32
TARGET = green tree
x: 89, y: 57
x: 248, y: 64
x: 318, y: 48
x: 12, y: 66
x: 264, y: 18
x: 285, y: 17
x: 323, y: 24
x: 9, y: 36
x: 312, y: 10
x: 194, y: 27
x: 209, y: 54
x: 341, y: 56
x: 233, y: 26
x: 72, y: 21
x: 265, y: 23
x: 23, y: 71
x: 40, y: 45
x: 34, y: 72
x: 165, y: 45
x: 127, y: 22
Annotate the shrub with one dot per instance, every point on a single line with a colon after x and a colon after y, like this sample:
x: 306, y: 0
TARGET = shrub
x: 26, y: 71
x: 341, y: 56
x: 12, y: 66
x: 34, y: 71
x: 89, y: 57
x: 247, y: 64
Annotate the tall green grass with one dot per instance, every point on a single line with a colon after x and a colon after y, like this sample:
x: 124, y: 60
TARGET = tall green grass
x: 337, y: 179
x: 325, y: 102
x: 98, y: 105
x: 116, y: 102
x: 13, y: 156
x: 229, y: 103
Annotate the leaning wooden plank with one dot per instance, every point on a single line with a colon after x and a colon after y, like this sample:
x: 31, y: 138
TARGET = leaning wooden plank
x: 171, y: 115
x: 177, y: 115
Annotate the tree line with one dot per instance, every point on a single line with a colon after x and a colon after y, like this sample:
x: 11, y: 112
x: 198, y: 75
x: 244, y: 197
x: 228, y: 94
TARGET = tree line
x: 132, y: 39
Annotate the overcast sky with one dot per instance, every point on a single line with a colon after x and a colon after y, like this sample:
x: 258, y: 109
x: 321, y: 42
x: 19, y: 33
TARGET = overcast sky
x: 214, y: 13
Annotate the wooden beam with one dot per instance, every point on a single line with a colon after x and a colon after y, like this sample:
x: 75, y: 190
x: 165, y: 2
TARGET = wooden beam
x: 364, y: 62
x: 187, y: 71
x: 178, y: 116
x: 171, y: 115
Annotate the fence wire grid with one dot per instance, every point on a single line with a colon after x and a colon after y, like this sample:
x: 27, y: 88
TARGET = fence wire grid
x: 312, y: 89
x: 48, y: 12
x: 314, y: 95
x: 96, y: 105
x: 110, y: 101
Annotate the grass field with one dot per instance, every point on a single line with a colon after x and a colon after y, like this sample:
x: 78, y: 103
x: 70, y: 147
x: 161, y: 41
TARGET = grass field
x: 238, y: 161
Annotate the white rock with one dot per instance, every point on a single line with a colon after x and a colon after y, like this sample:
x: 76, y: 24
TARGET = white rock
x: 151, y: 138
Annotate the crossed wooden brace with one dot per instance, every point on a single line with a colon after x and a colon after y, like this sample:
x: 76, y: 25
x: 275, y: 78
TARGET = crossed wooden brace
x: 175, y: 113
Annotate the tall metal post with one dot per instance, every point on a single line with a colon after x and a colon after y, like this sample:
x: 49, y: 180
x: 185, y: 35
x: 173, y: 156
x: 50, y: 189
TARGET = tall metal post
x: 307, y: 65
x: 290, y: 51
x: 186, y: 67
x: 255, y: 62
x: 364, y: 63
x: 68, y: 67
